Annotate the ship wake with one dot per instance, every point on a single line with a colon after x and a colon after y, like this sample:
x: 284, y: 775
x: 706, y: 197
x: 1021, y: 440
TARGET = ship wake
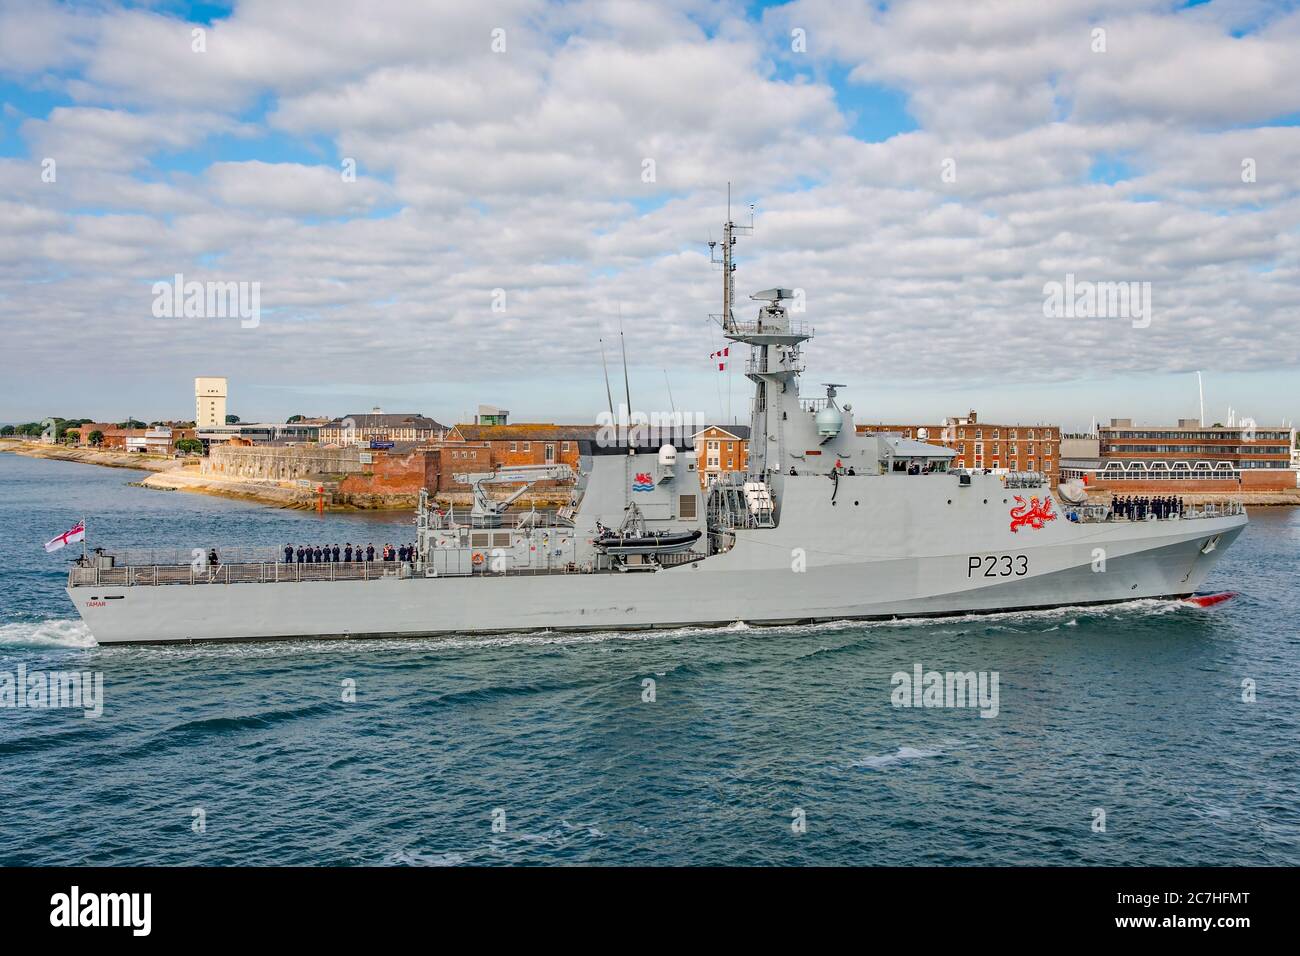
x: 56, y: 633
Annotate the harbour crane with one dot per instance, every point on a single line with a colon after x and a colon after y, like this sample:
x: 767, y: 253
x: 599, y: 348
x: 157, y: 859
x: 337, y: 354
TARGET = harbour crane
x: 487, y: 511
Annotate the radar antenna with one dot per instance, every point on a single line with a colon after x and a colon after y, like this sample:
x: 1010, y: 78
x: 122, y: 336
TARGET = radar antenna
x: 723, y: 258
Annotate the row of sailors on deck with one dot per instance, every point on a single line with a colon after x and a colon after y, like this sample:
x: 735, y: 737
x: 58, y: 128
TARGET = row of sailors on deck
x: 346, y: 554
x: 912, y: 468
x: 835, y: 472
x: 1139, y: 508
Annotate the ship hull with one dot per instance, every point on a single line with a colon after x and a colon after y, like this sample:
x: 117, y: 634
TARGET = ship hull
x: 763, y: 580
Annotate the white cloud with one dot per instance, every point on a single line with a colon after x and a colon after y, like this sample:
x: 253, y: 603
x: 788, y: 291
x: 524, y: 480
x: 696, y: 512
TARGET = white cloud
x: 293, y: 189
x: 523, y: 171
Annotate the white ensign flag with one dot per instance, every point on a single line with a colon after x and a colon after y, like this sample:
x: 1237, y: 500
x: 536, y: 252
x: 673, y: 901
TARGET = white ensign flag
x: 76, y: 533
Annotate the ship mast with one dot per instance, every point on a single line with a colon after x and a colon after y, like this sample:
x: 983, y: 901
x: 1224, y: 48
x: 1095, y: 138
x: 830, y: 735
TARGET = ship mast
x: 774, y: 361
x: 729, y: 235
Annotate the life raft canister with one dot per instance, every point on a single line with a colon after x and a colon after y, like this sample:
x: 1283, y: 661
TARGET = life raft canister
x: 478, y: 557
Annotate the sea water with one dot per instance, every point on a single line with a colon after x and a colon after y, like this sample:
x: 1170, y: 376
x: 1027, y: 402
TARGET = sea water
x: 1145, y: 733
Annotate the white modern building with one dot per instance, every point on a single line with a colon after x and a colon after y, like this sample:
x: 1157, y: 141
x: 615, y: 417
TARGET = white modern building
x: 209, y: 402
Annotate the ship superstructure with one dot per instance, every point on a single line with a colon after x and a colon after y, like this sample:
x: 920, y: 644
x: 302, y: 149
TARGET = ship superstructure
x: 824, y: 524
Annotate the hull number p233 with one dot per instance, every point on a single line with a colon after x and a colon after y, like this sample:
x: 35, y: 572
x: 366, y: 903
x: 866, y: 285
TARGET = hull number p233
x: 996, y: 565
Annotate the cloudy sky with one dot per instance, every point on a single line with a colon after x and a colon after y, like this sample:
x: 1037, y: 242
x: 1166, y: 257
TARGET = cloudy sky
x: 528, y: 172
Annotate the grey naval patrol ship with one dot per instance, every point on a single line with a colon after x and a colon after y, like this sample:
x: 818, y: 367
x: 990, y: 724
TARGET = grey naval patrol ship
x: 825, y: 524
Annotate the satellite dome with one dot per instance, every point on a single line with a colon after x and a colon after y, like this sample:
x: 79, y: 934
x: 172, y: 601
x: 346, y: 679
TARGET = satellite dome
x: 667, y: 455
x: 829, y: 421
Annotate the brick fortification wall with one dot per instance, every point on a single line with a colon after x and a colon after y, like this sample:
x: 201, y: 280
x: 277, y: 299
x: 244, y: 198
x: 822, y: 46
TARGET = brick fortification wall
x: 388, y: 474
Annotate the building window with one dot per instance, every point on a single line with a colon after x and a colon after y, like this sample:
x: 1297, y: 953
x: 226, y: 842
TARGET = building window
x: 528, y: 446
x: 997, y: 433
x: 514, y: 446
x: 550, y: 452
x: 564, y: 447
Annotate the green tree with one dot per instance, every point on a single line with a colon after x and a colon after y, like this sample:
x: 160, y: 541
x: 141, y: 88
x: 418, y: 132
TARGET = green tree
x: 72, y: 436
x: 295, y: 418
x: 232, y: 419
x: 64, y: 424
x: 190, y: 446
x: 97, y: 438
x: 7, y: 430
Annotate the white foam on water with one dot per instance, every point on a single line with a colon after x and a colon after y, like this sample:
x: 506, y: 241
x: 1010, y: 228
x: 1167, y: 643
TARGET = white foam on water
x: 47, y: 634
x: 903, y: 753
x: 591, y: 829
x: 405, y: 858
x: 1209, y: 810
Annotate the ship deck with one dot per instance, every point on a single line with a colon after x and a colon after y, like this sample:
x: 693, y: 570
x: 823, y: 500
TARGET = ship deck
x: 149, y: 574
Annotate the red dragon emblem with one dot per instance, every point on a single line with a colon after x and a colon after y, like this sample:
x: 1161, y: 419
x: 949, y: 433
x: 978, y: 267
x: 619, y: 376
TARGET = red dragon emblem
x: 1031, y: 513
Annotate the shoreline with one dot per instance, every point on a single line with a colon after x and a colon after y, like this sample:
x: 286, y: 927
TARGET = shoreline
x: 272, y: 493
x: 90, y: 456
x: 170, y: 474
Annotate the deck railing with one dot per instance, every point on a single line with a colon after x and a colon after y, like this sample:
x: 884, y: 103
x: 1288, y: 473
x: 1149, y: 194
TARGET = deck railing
x: 1095, y: 512
x: 261, y: 572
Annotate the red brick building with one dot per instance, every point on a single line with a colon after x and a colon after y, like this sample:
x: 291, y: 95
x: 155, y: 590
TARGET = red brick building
x: 482, y: 448
x: 719, y: 450
x: 1190, y: 456
x: 998, y: 447
x: 396, y: 471
x: 359, y: 429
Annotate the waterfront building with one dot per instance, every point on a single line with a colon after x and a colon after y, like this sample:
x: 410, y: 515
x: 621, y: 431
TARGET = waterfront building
x: 260, y: 433
x: 1189, y: 457
x: 378, y: 426
x: 89, y: 428
x: 209, y: 402
x: 469, y: 448
x: 1000, y: 448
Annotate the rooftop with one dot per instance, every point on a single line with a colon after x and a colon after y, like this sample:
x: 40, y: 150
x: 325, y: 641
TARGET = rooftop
x: 527, y: 431
x: 388, y: 420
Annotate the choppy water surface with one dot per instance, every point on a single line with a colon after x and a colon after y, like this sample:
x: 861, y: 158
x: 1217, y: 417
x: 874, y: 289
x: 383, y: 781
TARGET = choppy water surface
x: 1136, y: 710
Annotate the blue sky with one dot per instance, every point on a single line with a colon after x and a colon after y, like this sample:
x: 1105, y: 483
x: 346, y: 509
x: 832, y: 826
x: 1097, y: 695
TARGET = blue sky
x: 923, y: 170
